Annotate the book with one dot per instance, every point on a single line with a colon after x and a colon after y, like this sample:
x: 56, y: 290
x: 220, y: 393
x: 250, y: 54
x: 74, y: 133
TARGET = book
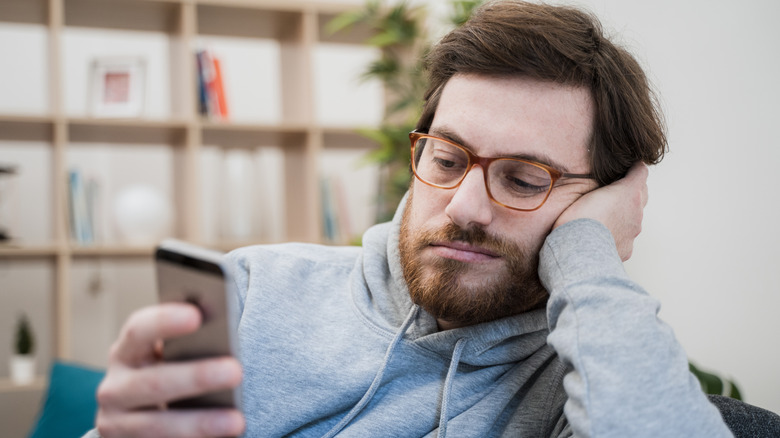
x: 203, y: 105
x: 219, y: 89
x: 330, y: 227
x: 82, y: 203
x: 211, y: 88
x: 336, y: 225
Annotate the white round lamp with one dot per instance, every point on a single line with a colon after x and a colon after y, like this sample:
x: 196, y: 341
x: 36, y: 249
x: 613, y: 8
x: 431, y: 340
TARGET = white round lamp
x: 142, y: 215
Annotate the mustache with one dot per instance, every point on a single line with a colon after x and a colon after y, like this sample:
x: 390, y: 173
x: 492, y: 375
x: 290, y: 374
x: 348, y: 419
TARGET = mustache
x: 475, y: 236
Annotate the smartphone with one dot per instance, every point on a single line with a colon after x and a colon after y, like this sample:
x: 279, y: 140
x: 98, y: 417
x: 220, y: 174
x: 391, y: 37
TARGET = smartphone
x: 195, y: 275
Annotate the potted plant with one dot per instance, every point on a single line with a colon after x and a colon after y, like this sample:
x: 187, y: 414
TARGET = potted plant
x: 23, y: 360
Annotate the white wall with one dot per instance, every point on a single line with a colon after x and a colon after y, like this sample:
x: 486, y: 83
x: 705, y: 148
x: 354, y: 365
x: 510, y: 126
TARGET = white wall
x: 710, y: 249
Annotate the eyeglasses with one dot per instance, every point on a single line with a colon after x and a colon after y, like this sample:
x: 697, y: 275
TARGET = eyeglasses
x: 510, y: 182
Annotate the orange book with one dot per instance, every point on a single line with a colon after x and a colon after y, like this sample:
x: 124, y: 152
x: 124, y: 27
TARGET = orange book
x: 220, y: 89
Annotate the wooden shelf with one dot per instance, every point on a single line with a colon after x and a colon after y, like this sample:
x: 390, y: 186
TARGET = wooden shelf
x: 295, y: 27
x: 11, y: 250
x: 283, y: 127
x: 345, y: 138
x: 33, y: 251
x: 7, y: 386
x: 128, y: 130
x: 147, y: 15
x: 112, y: 251
x: 26, y: 128
x: 248, y: 19
x: 24, y: 11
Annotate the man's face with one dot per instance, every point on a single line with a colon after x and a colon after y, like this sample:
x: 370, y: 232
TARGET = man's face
x: 467, y: 259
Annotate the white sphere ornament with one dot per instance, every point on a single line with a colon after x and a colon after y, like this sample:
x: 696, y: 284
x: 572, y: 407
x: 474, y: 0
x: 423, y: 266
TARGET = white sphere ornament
x: 142, y: 215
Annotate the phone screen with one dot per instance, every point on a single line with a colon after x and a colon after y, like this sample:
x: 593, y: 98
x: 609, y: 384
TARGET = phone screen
x: 199, y: 278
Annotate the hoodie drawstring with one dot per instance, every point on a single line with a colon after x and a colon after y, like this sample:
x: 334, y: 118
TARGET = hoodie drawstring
x: 456, y: 352
x: 377, y: 379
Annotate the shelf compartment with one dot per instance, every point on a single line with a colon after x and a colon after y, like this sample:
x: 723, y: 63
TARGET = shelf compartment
x: 287, y: 25
x: 104, y: 291
x: 26, y: 285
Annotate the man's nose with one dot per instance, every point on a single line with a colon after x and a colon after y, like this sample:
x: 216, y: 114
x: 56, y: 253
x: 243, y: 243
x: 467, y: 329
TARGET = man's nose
x: 470, y: 204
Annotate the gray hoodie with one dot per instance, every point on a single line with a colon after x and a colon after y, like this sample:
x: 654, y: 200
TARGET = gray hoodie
x: 331, y: 344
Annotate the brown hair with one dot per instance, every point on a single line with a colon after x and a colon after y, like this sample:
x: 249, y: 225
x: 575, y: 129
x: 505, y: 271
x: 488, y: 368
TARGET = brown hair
x: 563, y: 45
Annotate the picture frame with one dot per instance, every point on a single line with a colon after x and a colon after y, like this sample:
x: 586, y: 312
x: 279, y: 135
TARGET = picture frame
x: 118, y: 87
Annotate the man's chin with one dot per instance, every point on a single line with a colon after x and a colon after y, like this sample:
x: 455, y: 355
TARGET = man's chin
x: 467, y: 294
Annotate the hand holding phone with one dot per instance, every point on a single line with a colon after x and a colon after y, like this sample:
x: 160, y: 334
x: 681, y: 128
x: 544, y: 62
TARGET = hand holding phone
x: 199, y: 366
x: 138, y: 383
x: 194, y: 275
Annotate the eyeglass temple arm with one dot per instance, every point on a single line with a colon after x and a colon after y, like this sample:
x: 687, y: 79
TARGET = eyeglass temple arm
x: 578, y: 175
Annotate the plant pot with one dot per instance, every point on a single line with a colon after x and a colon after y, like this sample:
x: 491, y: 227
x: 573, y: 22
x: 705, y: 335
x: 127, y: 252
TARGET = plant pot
x: 22, y: 369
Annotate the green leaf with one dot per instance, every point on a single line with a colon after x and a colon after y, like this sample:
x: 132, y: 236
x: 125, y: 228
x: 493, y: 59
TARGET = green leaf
x: 714, y: 384
x: 25, y: 342
x: 345, y: 20
x: 734, y: 391
x: 377, y: 135
x: 383, y: 69
x: 462, y: 10
x: 383, y: 39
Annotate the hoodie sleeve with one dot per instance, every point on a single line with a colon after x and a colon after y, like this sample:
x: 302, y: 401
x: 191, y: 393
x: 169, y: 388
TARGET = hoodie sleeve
x: 628, y: 374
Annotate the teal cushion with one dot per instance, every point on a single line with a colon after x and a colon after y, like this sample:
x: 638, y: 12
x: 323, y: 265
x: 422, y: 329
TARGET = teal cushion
x: 70, y: 404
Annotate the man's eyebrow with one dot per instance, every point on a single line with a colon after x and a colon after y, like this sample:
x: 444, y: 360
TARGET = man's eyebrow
x: 448, y: 134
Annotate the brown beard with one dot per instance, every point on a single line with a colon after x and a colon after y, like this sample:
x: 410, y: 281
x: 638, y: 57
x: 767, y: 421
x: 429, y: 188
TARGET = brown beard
x: 436, y: 287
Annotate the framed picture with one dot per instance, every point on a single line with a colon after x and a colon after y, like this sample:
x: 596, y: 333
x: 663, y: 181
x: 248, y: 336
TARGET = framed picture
x: 118, y: 87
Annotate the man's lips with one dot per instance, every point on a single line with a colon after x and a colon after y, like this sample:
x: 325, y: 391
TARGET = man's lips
x: 462, y: 251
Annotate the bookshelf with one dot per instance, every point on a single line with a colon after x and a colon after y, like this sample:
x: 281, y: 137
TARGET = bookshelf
x: 62, y: 132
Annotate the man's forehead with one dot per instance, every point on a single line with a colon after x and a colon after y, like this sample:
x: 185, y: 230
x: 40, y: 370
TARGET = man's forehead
x: 451, y: 134
x: 520, y: 117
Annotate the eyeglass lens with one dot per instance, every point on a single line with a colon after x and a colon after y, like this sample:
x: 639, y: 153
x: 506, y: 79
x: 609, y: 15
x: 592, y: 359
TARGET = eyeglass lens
x: 511, y: 182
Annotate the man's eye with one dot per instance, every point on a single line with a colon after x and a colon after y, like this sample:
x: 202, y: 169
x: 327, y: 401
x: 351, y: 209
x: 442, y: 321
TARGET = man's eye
x: 444, y: 163
x: 522, y: 187
x: 448, y: 160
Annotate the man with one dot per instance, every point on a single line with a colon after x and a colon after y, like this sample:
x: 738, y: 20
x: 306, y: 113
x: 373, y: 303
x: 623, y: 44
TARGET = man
x: 494, y: 304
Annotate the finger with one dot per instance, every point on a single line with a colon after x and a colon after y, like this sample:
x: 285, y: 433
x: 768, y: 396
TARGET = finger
x: 136, y: 343
x: 159, y: 384
x: 172, y: 423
